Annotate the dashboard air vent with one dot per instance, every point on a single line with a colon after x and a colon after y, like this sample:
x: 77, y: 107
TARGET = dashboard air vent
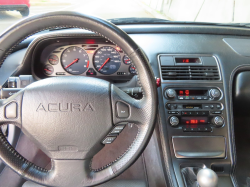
x: 190, y: 73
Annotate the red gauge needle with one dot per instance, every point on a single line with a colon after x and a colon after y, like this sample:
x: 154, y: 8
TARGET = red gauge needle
x: 127, y: 60
x: 72, y: 63
x: 132, y: 67
x: 104, y: 64
x: 52, y: 59
x: 88, y: 64
x: 47, y: 70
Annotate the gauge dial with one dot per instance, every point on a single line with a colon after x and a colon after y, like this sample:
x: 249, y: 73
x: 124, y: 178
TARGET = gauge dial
x: 75, y: 60
x: 53, y: 59
x: 48, y: 70
x: 126, y: 60
x: 132, y: 69
x: 107, y: 60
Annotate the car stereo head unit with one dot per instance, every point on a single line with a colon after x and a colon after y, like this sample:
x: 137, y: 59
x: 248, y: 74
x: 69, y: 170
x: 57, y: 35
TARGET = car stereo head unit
x: 192, y: 94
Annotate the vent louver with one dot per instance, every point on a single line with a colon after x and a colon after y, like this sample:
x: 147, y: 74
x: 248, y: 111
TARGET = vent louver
x: 190, y: 73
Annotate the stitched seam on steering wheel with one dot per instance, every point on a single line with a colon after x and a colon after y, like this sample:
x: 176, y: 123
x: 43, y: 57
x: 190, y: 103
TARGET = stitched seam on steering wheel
x: 138, y: 80
x: 118, y: 158
x: 17, y: 155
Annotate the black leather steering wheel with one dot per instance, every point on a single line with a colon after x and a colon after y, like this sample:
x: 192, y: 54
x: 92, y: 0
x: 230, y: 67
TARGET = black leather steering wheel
x: 68, y: 117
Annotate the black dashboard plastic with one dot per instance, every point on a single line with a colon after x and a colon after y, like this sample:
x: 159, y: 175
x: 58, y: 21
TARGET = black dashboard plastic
x: 242, y: 93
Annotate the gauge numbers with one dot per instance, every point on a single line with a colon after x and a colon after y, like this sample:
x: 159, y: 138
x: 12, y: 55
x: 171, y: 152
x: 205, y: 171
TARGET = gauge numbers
x: 107, y: 60
x: 75, y: 60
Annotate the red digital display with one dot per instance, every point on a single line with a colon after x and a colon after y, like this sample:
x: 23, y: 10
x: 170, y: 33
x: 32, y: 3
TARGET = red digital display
x: 192, y: 92
x: 181, y: 92
x: 194, y: 120
x: 185, y: 60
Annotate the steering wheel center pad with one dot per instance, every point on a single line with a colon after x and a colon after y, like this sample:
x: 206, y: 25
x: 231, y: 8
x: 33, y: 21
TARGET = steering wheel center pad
x: 68, y: 116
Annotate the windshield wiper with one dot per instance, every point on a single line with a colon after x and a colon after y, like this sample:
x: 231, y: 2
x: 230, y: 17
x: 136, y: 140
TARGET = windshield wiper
x: 134, y: 20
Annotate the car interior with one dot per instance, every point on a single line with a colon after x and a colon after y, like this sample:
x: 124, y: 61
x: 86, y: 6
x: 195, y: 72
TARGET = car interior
x: 90, y: 102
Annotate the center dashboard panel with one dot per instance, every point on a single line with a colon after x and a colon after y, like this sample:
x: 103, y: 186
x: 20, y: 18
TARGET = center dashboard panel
x: 87, y: 56
x: 195, y: 112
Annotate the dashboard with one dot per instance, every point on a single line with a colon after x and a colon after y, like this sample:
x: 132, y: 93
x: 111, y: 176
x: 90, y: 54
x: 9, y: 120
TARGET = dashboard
x: 209, y: 58
x: 94, y: 57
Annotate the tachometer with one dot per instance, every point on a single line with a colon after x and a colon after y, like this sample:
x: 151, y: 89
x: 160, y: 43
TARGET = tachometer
x: 75, y: 60
x: 107, y: 60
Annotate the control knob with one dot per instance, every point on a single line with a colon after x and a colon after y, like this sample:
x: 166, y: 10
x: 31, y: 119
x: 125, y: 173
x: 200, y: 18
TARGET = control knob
x: 174, y: 121
x: 218, y: 121
x: 170, y: 93
x: 215, y: 93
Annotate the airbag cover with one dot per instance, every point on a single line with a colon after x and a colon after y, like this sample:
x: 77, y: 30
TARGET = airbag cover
x: 67, y: 116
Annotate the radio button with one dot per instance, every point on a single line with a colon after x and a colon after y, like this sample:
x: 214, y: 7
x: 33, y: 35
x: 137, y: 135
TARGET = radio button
x: 193, y: 130
x: 206, y: 107
x: 216, y: 112
x: 218, y: 106
x: 173, y: 112
x: 180, y: 97
x: 207, y: 129
x: 186, y: 97
x: 184, y: 113
x: 198, y: 97
x: 212, y: 106
x: 192, y: 97
x: 179, y: 107
x: 198, y: 113
x: 204, y: 113
x: 191, y: 113
x: 205, y: 97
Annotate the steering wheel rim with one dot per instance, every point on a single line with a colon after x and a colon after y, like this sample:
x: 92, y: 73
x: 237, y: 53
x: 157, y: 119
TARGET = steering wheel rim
x: 142, y: 112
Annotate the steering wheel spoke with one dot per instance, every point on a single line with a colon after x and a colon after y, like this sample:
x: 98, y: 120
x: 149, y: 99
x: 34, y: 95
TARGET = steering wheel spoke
x: 126, y: 108
x: 10, y: 110
x: 83, y: 175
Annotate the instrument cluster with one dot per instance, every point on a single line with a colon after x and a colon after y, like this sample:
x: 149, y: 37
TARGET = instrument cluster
x: 87, y: 60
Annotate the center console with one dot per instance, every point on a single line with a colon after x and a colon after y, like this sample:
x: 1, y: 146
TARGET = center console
x: 195, y: 115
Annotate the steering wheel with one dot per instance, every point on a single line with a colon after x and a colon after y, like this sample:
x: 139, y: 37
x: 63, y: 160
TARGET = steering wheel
x: 68, y: 117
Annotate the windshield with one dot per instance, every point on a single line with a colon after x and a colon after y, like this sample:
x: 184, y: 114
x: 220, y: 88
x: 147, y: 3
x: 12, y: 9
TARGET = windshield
x: 217, y: 11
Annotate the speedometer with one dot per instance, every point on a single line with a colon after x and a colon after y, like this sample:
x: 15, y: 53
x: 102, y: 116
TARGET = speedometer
x: 75, y: 60
x: 107, y: 60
